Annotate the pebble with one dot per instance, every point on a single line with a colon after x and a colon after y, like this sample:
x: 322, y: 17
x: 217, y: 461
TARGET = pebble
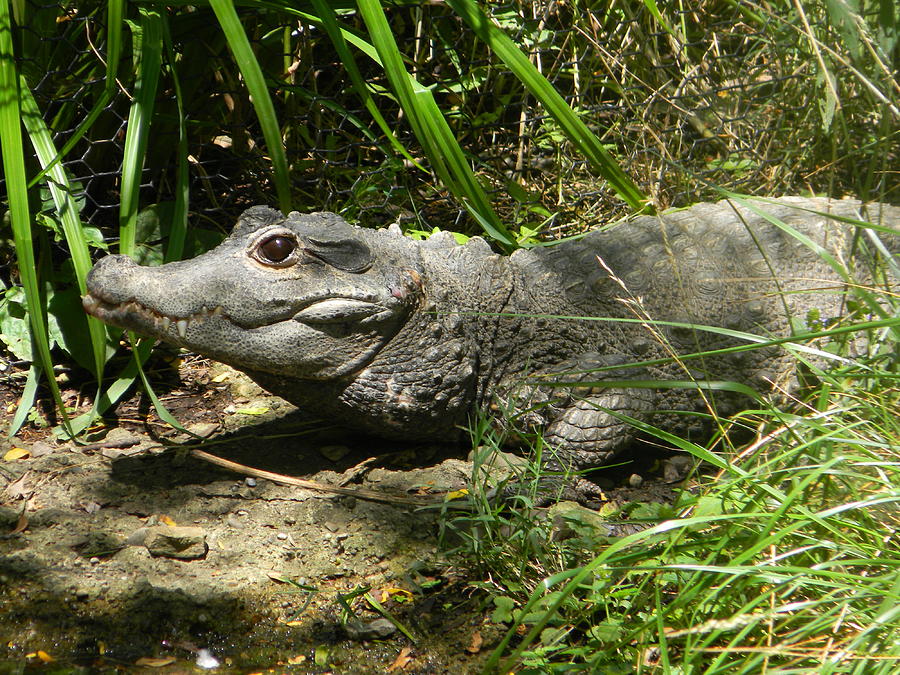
x: 250, y: 482
x: 184, y: 543
x: 334, y: 452
x: 40, y: 448
x: 677, y: 468
x: 202, y: 429
x: 373, y: 630
x: 206, y: 660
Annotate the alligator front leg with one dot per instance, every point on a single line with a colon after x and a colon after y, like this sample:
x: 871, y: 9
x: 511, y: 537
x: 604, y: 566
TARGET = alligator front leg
x: 578, y: 410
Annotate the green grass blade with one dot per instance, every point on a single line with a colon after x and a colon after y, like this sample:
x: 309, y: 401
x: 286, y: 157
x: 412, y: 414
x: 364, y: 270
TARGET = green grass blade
x: 262, y: 102
x: 137, y: 363
x: 381, y: 609
x: 115, y: 11
x: 574, y: 579
x: 26, y: 401
x: 148, y: 35
x: 66, y: 210
x: 456, y: 167
x: 19, y: 212
x: 430, y: 127
x: 654, y: 10
x: 148, y: 60
x: 572, y: 125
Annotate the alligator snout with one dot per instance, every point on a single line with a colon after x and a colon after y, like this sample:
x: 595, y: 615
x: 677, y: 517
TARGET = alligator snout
x: 109, y: 279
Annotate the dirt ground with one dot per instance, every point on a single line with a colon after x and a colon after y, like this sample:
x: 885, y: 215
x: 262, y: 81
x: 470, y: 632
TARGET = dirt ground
x: 128, y: 553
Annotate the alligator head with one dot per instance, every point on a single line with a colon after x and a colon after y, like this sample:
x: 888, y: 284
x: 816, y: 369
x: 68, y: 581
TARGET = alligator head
x: 306, y: 296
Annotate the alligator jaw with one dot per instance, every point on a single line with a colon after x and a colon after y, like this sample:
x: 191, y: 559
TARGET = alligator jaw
x: 132, y: 314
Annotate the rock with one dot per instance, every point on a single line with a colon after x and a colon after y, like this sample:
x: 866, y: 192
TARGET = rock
x: 184, y: 543
x: 41, y: 448
x: 138, y: 537
x: 334, y: 452
x: 372, y: 630
x: 121, y: 436
x: 677, y: 468
x: 202, y: 429
x: 573, y: 520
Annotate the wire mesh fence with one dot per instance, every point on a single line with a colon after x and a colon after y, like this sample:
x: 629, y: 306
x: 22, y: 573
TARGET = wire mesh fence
x: 731, y: 95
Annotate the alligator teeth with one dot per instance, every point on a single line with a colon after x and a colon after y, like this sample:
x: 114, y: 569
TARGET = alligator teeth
x: 161, y: 322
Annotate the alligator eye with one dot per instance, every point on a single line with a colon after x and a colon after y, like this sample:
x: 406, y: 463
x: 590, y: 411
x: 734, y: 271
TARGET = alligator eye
x: 276, y: 249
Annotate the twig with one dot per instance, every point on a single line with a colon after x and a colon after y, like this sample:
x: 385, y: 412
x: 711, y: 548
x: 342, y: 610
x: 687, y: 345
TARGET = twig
x: 361, y: 493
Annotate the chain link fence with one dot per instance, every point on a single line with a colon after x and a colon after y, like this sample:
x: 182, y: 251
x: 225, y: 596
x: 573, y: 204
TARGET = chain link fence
x: 730, y: 95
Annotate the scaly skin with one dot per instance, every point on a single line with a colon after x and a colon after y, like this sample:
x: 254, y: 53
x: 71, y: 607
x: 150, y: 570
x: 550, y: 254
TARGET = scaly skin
x: 405, y: 339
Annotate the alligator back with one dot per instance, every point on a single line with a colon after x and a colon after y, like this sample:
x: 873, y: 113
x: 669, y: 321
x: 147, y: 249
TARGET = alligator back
x: 762, y: 267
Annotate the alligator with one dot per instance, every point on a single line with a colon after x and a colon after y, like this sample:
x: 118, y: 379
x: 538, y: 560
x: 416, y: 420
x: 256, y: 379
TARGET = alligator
x: 405, y: 339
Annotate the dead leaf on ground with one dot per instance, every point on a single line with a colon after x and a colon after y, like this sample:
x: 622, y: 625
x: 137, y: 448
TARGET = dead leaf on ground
x: 403, y: 659
x: 253, y: 410
x: 399, y: 594
x: 154, y: 662
x: 19, y: 489
x: 475, y: 645
x: 16, y: 453
x: 21, y: 524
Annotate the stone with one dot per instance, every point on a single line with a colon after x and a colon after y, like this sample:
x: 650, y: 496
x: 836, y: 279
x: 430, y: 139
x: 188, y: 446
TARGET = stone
x: 183, y: 543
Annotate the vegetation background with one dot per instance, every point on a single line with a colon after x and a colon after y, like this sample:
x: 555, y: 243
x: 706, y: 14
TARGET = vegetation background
x: 147, y: 129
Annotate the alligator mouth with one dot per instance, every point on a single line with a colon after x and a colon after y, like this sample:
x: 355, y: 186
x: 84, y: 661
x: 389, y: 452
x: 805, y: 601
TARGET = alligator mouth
x: 315, y: 310
x: 132, y: 312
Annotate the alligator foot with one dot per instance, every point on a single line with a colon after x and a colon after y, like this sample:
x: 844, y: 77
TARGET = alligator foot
x: 552, y: 489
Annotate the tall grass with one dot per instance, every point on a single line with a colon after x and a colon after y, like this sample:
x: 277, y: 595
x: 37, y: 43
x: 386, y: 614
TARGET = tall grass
x: 19, y: 212
x: 788, y: 565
